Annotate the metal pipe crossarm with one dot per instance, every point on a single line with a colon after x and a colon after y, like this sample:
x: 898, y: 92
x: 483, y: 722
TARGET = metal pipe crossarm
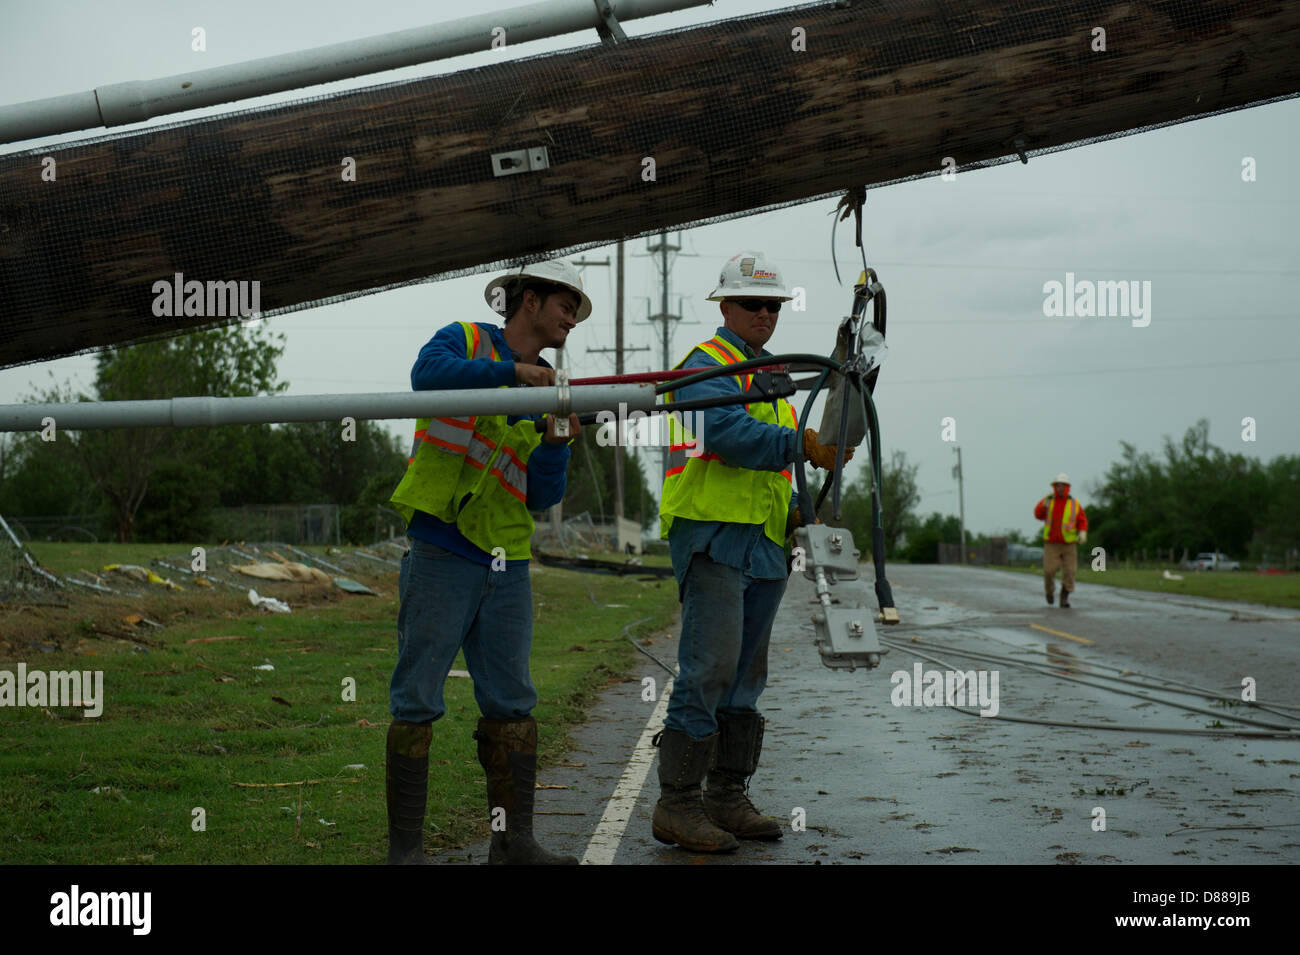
x: 121, y: 103
x: 208, y: 411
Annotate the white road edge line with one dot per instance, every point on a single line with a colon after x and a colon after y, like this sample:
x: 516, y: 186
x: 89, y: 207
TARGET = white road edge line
x: 618, y: 813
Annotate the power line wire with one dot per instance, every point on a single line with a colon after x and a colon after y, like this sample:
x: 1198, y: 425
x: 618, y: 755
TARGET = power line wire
x: 1087, y: 371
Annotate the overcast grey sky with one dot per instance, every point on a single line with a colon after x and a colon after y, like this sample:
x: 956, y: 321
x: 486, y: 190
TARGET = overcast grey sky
x: 964, y: 263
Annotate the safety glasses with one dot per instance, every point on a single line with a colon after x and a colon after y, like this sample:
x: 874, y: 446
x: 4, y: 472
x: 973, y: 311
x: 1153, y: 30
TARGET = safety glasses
x: 754, y: 304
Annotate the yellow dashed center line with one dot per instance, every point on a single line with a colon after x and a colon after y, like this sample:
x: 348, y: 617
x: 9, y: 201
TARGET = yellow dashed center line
x: 1068, y: 636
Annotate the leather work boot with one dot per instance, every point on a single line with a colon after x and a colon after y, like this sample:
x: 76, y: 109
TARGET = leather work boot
x: 740, y: 741
x: 406, y: 781
x: 507, y: 751
x: 1050, y: 597
x: 679, y: 815
x: 1065, y: 599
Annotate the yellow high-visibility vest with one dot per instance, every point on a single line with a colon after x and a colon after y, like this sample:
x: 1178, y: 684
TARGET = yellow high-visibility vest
x: 477, y: 455
x: 1069, y: 520
x: 706, y: 488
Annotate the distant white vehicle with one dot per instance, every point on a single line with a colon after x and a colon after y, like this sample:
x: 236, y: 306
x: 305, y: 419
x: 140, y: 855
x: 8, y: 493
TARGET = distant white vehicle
x: 1214, y: 561
x: 1023, y: 552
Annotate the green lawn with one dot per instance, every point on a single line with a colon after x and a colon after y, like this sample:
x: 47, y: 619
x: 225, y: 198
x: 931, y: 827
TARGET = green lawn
x: 184, y: 723
x: 1275, y: 590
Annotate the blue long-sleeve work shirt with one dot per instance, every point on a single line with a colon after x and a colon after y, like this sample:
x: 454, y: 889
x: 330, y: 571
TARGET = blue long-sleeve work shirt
x: 743, y: 441
x: 444, y: 364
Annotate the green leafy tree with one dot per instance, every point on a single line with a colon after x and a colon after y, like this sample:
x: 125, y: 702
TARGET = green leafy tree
x: 1196, y: 497
x: 898, y: 500
x: 121, y: 462
x: 1277, y: 530
x: 923, y: 538
x: 30, y: 486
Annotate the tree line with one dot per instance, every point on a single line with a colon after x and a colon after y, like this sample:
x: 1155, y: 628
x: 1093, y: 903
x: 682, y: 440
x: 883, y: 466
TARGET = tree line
x: 1192, y: 497
x: 1195, y: 497
x: 167, y: 484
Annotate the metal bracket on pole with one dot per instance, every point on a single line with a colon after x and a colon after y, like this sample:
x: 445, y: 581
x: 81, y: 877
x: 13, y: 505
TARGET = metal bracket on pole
x: 516, y: 161
x: 610, y: 30
x: 564, y: 403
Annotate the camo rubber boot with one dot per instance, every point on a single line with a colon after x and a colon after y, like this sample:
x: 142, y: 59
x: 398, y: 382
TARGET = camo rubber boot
x: 406, y: 782
x: 740, y: 742
x: 679, y: 816
x: 507, y: 751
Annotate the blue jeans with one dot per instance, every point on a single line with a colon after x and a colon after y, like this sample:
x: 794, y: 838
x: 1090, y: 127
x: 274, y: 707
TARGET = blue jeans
x: 448, y: 604
x: 726, y: 627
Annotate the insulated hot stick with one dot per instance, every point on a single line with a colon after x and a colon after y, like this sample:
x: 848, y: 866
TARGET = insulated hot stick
x: 673, y: 379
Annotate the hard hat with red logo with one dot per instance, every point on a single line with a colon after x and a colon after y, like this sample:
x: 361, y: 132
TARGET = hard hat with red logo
x: 750, y: 275
x: 555, y: 271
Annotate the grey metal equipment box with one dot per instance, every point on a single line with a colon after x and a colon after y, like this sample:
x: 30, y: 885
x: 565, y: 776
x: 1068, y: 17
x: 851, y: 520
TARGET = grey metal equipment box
x: 844, y: 624
x: 846, y: 637
x: 831, y: 549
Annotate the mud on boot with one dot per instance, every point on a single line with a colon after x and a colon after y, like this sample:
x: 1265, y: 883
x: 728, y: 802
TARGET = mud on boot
x: 680, y: 817
x: 406, y: 784
x: 740, y: 742
x: 507, y: 751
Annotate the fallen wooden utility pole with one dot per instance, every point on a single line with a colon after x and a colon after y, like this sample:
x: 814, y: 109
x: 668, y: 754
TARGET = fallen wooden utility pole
x: 307, y: 203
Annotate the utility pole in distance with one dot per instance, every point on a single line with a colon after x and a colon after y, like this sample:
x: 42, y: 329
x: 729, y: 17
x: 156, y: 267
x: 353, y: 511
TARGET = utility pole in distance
x: 618, y: 350
x: 961, y: 501
x: 663, y: 317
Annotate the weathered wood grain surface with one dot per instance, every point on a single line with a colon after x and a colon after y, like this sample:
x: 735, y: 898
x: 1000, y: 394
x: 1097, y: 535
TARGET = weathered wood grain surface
x: 734, y: 118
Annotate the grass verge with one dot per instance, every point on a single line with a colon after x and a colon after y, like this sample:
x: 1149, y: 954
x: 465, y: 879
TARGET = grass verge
x: 1274, y: 590
x: 283, y: 768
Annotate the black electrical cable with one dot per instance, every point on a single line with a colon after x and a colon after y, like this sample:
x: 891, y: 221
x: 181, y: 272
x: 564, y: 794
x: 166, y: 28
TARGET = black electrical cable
x: 827, y: 365
x: 1054, y: 671
x: 671, y: 671
x: 884, y: 593
x: 1253, y: 734
x: 719, y: 401
x: 878, y: 322
x: 766, y: 361
x: 806, y: 509
x: 715, y: 401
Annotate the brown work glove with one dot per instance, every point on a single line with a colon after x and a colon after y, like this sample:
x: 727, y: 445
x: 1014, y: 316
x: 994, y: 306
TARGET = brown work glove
x: 821, y: 455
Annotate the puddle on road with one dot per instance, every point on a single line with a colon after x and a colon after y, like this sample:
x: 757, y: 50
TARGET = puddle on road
x: 1064, y: 660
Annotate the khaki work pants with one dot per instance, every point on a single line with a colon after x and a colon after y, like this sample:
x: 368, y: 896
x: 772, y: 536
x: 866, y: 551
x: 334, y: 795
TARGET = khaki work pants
x: 1063, y: 556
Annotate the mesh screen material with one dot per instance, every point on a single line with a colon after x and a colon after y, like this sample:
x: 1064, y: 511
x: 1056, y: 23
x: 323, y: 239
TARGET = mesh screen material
x: 736, y: 119
x: 22, y: 579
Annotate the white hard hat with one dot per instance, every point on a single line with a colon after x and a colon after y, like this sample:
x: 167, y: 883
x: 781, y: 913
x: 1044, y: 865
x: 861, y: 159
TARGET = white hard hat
x: 1061, y: 478
x: 556, y: 271
x: 750, y: 275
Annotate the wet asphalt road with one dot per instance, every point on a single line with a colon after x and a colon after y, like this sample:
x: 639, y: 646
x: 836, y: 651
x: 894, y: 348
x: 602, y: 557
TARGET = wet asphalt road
x: 877, y: 783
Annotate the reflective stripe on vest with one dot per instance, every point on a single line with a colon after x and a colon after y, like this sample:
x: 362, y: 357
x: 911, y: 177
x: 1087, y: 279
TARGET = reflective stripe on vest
x: 449, y: 434
x: 452, y: 458
x: 510, y: 471
x: 712, y: 490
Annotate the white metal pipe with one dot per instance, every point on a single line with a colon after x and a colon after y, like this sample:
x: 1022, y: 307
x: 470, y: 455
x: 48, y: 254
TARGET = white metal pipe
x: 132, y: 102
x: 207, y: 411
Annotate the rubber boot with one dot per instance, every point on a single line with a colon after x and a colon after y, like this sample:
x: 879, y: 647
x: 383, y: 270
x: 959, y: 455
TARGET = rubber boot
x: 679, y: 815
x: 1050, y: 596
x: 406, y: 781
x: 1065, y: 598
x: 740, y: 742
x: 507, y: 751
